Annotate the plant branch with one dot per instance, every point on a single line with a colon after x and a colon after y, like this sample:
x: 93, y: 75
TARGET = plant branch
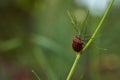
x: 36, y: 74
x: 73, y: 22
x: 89, y: 42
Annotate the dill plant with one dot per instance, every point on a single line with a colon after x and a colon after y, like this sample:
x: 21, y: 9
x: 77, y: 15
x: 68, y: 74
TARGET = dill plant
x: 78, y: 55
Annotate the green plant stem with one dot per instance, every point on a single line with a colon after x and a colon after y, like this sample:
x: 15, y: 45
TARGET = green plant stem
x: 36, y: 74
x: 73, y: 22
x: 73, y: 66
x: 89, y: 42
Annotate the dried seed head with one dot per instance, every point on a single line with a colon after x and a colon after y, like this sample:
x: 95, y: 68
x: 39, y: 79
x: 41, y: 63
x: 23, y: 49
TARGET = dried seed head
x: 77, y: 44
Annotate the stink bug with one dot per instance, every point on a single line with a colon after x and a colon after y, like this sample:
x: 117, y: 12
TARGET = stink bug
x: 77, y: 44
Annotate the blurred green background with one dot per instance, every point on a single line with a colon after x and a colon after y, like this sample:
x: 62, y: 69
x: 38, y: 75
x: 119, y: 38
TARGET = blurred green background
x: 37, y: 35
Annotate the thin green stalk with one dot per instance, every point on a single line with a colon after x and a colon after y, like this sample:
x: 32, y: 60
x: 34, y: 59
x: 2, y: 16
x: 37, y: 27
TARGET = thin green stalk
x: 89, y: 42
x: 73, y: 66
x: 84, y: 22
x: 36, y: 74
x: 73, y: 22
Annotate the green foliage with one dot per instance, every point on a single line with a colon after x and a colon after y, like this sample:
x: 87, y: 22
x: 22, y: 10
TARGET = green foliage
x: 37, y: 35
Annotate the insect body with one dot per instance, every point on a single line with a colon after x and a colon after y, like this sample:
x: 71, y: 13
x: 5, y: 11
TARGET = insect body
x: 77, y: 44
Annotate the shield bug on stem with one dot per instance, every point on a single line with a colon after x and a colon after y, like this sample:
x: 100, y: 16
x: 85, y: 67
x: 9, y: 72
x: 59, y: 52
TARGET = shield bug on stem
x: 78, y: 42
